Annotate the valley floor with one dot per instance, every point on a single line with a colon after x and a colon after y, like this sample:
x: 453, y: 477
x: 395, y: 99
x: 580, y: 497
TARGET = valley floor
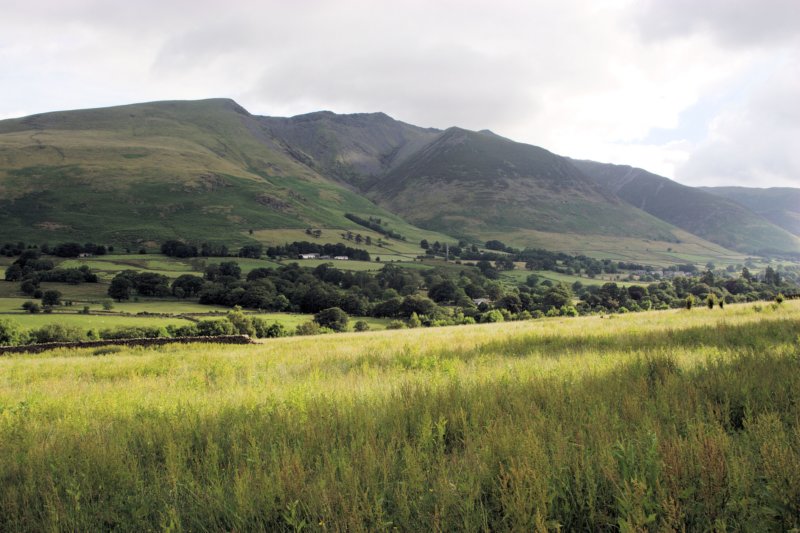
x: 659, y: 420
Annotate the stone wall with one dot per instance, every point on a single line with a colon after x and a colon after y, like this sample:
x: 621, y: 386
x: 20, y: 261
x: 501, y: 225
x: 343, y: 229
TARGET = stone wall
x: 38, y: 348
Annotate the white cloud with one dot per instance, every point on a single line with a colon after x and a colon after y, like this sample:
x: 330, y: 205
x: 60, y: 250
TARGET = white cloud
x: 755, y: 144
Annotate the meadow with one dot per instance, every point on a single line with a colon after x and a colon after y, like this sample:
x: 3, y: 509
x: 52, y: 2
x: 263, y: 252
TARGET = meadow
x: 659, y: 420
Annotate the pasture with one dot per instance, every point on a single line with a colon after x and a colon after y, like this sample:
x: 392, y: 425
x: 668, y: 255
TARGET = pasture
x: 660, y: 420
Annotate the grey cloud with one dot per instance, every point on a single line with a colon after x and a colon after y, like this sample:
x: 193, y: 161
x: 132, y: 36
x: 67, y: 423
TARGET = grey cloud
x: 442, y: 85
x: 732, y: 22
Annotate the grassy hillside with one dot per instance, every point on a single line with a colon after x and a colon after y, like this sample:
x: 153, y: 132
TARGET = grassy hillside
x: 208, y: 171
x: 144, y: 173
x: 473, y: 183
x: 714, y: 218
x: 779, y: 205
x: 662, y: 421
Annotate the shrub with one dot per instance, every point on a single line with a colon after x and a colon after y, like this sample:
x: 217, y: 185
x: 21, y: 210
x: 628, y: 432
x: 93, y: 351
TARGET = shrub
x: 308, y: 328
x: 779, y: 298
x: 134, y: 332
x: 524, y: 315
x: 491, y: 316
x: 215, y: 328
x: 183, y: 331
x: 275, y: 330
x: 333, y: 318
x: 242, y: 323
x: 11, y: 333
x: 361, y: 326
x: 32, y: 307
x: 396, y: 324
x: 58, y: 333
x: 414, y: 321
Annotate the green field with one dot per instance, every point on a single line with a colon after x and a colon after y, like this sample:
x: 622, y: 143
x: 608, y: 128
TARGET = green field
x: 291, y: 320
x: 125, y: 314
x: 674, y: 420
x: 630, y: 249
x: 520, y: 275
x: 93, y: 321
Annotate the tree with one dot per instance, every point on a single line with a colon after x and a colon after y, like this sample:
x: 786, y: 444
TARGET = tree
x: 253, y: 251
x: 424, y: 244
x: 51, y: 298
x: 68, y: 249
x: 121, y: 288
x: 558, y: 296
x: 14, y: 273
x: 333, y: 318
x: 444, y: 292
x: 771, y: 277
x: 417, y: 304
x: 710, y: 300
x: 29, y: 285
x: 174, y: 248
x: 231, y: 269
x: 187, y: 286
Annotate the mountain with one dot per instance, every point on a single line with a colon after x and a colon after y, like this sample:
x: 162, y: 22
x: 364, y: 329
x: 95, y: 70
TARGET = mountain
x: 144, y: 173
x: 210, y: 171
x: 356, y: 149
x: 475, y: 183
x: 713, y: 217
x: 779, y: 205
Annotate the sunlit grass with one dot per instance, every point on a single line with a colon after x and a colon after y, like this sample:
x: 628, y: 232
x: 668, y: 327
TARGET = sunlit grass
x: 662, y: 420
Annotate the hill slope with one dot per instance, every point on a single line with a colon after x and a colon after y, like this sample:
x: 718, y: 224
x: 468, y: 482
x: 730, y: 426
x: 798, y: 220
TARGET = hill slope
x: 356, y: 149
x: 701, y: 213
x: 476, y: 182
x: 779, y: 205
x: 143, y: 173
x: 210, y: 171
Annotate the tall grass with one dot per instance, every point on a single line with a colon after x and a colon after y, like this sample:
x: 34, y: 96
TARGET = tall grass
x: 669, y: 420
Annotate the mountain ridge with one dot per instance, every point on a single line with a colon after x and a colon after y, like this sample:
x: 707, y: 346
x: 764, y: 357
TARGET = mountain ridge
x: 209, y: 169
x: 779, y: 205
x: 713, y: 217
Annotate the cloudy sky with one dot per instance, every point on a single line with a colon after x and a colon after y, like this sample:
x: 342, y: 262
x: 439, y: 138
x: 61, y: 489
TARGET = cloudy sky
x: 705, y: 92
